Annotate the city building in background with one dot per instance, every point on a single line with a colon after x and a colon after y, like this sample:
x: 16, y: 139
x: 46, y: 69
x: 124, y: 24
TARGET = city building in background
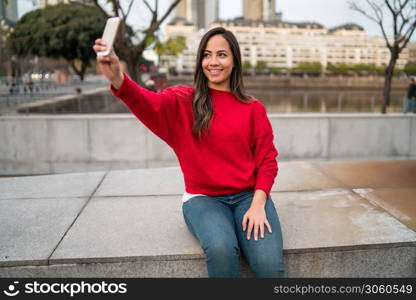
x: 43, y: 3
x: 199, y: 12
x: 412, y: 53
x: 260, y: 10
x: 284, y: 45
x: 264, y: 37
x: 8, y: 12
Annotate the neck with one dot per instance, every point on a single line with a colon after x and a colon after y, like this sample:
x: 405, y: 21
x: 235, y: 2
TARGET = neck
x: 222, y: 86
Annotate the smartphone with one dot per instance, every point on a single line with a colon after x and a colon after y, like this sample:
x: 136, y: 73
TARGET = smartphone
x: 109, y: 34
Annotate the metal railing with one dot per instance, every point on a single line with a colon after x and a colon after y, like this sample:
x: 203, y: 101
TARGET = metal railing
x: 18, y: 94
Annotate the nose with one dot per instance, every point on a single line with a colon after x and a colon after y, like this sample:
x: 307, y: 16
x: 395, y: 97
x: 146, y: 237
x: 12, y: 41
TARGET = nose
x: 213, y: 61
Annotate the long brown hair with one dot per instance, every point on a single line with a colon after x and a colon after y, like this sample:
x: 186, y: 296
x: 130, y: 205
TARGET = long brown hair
x: 202, y: 104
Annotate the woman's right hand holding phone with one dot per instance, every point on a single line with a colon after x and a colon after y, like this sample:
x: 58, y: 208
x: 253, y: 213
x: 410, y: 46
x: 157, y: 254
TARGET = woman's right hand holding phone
x: 109, y: 64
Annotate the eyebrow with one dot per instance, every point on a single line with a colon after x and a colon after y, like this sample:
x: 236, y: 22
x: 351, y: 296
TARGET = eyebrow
x: 217, y: 51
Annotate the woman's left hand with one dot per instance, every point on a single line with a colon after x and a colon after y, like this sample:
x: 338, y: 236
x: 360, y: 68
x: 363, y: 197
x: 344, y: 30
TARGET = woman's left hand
x: 255, y: 220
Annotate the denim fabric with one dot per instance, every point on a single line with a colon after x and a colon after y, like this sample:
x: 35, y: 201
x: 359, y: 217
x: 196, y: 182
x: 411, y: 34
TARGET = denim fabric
x: 409, y: 105
x: 216, y: 221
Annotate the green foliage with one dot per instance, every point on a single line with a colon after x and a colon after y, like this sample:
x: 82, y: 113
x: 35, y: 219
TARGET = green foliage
x: 274, y: 70
x: 380, y: 71
x: 149, y: 40
x: 309, y: 67
x: 365, y: 69
x: 173, y: 46
x: 58, y: 31
x: 279, y: 70
x: 360, y: 69
x: 410, y: 69
x: 397, y: 71
x: 341, y: 69
x: 246, y: 66
x: 5, y: 32
x: 261, y: 65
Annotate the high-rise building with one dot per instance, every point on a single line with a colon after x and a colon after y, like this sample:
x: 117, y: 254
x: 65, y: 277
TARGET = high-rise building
x: 43, y: 3
x: 8, y: 12
x: 284, y: 45
x: 259, y: 10
x: 202, y: 13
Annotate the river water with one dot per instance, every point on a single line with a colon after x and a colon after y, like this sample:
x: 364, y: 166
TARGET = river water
x: 324, y: 101
x: 276, y: 101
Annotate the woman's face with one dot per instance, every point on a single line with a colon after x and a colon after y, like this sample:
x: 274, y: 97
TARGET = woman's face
x: 218, y: 63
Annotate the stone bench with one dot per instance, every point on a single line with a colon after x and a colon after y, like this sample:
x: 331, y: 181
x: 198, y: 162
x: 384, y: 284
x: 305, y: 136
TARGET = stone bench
x: 129, y: 223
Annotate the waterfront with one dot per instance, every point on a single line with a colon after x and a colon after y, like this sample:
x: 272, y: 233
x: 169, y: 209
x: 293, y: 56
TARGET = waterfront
x: 326, y: 101
x: 279, y: 94
x: 276, y: 100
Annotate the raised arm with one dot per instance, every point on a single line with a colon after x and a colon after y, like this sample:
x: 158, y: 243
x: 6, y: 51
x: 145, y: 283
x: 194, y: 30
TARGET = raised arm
x: 109, y: 65
x: 155, y: 110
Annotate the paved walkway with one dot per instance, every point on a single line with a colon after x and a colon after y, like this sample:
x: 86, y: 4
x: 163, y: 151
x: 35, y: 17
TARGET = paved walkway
x: 343, y: 218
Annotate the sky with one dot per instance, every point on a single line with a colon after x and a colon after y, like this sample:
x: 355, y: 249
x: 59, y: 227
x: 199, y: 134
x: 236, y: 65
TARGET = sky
x: 329, y: 13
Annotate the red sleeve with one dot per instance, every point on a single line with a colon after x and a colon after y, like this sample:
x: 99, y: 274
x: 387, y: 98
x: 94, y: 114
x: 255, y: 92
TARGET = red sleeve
x: 265, y: 153
x: 154, y: 110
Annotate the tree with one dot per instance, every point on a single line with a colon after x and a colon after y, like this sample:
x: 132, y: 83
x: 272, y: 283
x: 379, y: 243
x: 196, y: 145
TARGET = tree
x: 130, y: 45
x: 246, y: 65
x: 360, y: 69
x: 309, y: 67
x: 261, y: 67
x: 59, y: 31
x: 172, y: 47
x: 410, y: 69
x: 5, y: 32
x: 339, y: 69
x: 403, y: 14
x: 247, y: 68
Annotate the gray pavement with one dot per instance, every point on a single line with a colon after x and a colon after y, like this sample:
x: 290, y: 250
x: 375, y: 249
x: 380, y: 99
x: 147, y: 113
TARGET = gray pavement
x: 339, y: 219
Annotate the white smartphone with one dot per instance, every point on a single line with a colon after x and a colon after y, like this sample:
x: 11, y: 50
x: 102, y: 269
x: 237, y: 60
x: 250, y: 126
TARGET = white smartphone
x: 109, y: 34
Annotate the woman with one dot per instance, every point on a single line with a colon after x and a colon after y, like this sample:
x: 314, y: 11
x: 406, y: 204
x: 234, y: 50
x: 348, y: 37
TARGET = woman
x: 224, y: 143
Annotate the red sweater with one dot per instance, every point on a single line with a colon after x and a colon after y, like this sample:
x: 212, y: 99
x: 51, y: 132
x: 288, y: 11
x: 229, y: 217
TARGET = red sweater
x: 238, y: 153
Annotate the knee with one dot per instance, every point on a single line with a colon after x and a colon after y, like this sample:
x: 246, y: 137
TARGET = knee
x: 222, y: 260
x: 265, y: 266
x: 222, y: 250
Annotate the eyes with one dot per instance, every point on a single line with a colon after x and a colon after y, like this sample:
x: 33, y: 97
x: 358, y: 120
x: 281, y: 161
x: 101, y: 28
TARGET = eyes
x: 220, y: 54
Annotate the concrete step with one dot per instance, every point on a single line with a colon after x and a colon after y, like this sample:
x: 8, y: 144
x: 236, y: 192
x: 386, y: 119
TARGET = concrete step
x: 129, y: 223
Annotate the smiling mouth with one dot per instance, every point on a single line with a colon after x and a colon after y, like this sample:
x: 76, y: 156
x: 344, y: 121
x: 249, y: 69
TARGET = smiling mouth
x: 214, y: 72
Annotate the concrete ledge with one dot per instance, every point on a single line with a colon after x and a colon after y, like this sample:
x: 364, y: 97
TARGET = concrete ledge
x: 385, y: 261
x: 45, y: 144
x: 130, y: 224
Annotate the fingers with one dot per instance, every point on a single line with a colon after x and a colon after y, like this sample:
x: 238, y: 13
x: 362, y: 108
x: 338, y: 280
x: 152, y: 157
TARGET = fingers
x: 250, y: 228
x: 262, y: 230
x: 113, y: 55
x: 255, y: 228
x: 103, y: 59
x: 99, y: 45
x: 98, y: 48
x: 244, y: 222
x: 100, y: 42
x: 110, y: 58
x: 255, y: 225
x: 268, y: 225
x: 256, y: 231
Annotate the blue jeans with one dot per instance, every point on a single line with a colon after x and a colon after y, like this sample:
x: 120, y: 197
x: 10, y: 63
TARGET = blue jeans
x: 216, y: 221
x: 409, y: 105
